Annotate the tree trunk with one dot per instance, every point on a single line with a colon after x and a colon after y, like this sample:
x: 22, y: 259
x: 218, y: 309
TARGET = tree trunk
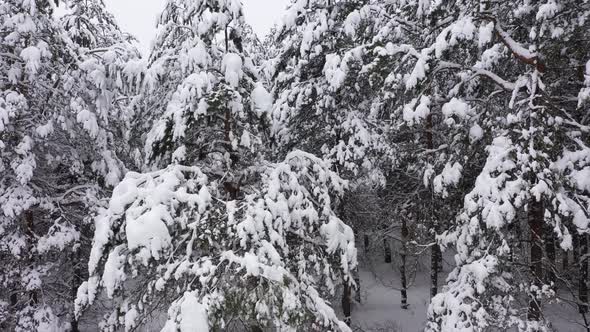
x: 402, y: 268
x: 535, y: 220
x: 551, y: 278
x: 583, y: 274
x: 439, y: 263
x: 357, y: 291
x: 74, y: 325
x: 226, y: 40
x: 387, y: 250
x: 30, y: 231
x: 576, y: 245
x: 76, y: 282
x: 434, y: 270
x: 347, y: 292
x: 435, y: 250
x: 435, y: 260
x: 564, y: 261
x: 346, y: 303
x: 366, y: 242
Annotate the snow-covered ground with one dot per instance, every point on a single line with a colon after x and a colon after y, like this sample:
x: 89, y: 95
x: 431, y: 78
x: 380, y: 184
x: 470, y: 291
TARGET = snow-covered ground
x: 380, y: 308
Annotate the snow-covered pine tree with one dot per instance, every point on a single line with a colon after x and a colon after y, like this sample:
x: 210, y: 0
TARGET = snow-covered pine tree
x: 510, y: 75
x: 437, y: 149
x: 58, y: 156
x: 341, y: 89
x: 451, y: 83
x: 319, y: 106
x: 204, y: 82
x: 170, y: 241
x: 235, y: 236
x: 90, y: 25
x: 324, y: 100
x: 455, y: 72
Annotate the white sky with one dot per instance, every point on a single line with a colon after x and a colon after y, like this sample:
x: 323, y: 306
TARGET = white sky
x: 138, y: 17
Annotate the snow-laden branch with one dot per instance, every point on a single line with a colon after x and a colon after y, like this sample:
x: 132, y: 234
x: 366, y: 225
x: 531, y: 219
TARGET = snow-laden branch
x: 506, y: 85
x: 521, y: 52
x: 152, y: 215
x: 11, y: 56
x: 497, y: 79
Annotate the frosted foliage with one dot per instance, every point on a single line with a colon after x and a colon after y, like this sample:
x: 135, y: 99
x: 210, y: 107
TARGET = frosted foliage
x: 495, y: 199
x: 193, y: 315
x: 334, y: 74
x: 216, y: 14
x: 460, y: 296
x: 415, y: 112
x: 262, y: 99
x: 456, y: 108
x: 316, y: 106
x: 232, y: 66
x: 475, y: 132
x: 468, y: 92
x: 207, y: 95
x: 352, y: 22
x: 584, y: 95
x: 61, y: 121
x: 177, y: 227
x: 180, y: 177
x: 450, y: 176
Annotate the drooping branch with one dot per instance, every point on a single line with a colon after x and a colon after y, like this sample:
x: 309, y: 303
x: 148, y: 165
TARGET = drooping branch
x: 506, y: 85
x: 519, y: 51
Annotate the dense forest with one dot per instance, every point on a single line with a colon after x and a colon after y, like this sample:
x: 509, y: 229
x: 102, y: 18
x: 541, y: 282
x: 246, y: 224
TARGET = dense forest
x: 370, y: 165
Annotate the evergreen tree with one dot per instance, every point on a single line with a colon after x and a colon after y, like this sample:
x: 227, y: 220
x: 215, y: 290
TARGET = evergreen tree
x: 235, y: 234
x: 319, y: 106
x: 514, y: 88
x: 58, y: 156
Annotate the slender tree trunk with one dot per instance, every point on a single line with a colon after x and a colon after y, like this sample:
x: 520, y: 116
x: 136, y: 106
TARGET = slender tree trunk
x: 387, y: 250
x: 227, y: 128
x: 402, y: 268
x: 435, y: 254
x: 347, y: 292
x: 439, y: 263
x: 583, y: 275
x: 346, y: 303
x: 30, y: 231
x: 366, y: 242
x: 550, y: 250
x: 357, y: 291
x: 564, y: 261
x: 226, y: 40
x: 535, y: 220
x: 576, y: 245
x: 76, y: 282
x: 435, y: 260
x: 434, y: 270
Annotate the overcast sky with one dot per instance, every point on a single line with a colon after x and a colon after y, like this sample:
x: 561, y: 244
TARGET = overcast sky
x: 139, y: 16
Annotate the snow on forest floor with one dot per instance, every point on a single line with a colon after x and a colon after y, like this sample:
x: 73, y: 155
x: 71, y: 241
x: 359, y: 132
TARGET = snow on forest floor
x: 380, y: 308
